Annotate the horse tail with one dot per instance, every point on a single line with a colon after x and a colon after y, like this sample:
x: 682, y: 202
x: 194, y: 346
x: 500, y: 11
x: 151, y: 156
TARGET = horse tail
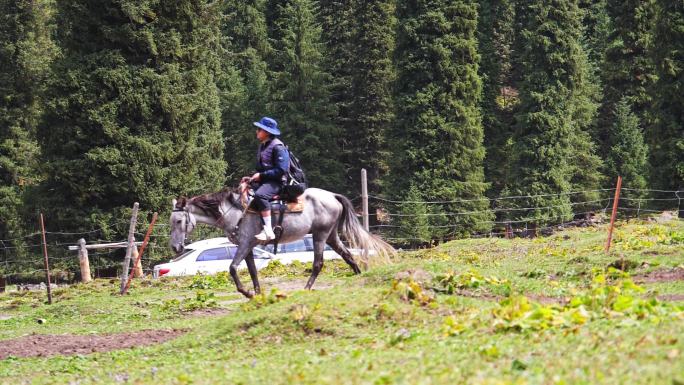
x: 373, y: 249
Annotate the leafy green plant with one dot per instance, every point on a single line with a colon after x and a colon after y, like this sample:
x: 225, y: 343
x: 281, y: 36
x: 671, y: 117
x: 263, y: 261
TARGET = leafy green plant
x: 202, y: 300
x: 307, y: 317
x: 261, y: 300
x: 276, y: 268
x: 606, y: 298
x: 451, y: 282
x: 219, y: 280
x: 452, y: 326
x: 675, y: 238
x: 411, y: 291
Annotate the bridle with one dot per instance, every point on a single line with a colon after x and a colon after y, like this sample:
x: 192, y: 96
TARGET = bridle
x: 220, y: 221
x: 187, y: 222
x: 244, y: 201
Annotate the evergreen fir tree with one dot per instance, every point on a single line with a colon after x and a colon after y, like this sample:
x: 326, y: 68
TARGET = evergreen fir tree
x: 301, y: 96
x: 628, y: 154
x: 274, y: 12
x: 413, y: 221
x: 338, y: 35
x: 553, y: 113
x: 628, y: 69
x: 596, y: 24
x: 585, y: 166
x: 667, y: 139
x: 247, y: 80
x: 438, y: 139
x: 359, y: 38
x: 370, y: 111
x: 26, y: 51
x: 133, y: 113
x: 596, y: 27
x: 495, y: 36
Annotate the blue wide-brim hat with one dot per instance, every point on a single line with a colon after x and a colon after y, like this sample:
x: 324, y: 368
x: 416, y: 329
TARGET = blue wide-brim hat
x: 269, y: 125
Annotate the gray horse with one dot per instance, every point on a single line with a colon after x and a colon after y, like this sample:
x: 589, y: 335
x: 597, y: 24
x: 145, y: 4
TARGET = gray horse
x: 324, y: 214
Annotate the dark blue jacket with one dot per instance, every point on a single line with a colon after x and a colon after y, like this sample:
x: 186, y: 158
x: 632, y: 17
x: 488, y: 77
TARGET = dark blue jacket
x: 273, y: 161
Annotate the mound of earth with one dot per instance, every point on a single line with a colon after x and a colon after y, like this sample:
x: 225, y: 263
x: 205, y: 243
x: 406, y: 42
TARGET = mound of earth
x: 45, y: 345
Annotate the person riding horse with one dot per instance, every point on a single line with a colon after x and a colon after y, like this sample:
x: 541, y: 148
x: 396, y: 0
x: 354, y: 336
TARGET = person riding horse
x: 273, y: 162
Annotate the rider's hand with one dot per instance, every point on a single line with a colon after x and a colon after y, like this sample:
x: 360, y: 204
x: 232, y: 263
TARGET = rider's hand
x: 245, y: 179
x: 255, y: 177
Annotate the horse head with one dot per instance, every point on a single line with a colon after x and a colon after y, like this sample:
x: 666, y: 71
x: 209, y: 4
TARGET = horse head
x: 182, y: 223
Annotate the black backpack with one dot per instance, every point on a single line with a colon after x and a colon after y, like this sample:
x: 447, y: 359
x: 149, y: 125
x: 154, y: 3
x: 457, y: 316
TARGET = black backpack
x: 296, y: 179
x: 296, y: 173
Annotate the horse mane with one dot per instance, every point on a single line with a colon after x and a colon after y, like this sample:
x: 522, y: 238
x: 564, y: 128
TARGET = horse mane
x: 211, y: 203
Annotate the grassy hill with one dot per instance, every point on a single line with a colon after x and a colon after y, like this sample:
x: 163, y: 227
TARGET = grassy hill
x: 554, y: 310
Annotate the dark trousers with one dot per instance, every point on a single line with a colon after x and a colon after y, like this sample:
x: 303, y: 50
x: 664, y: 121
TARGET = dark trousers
x: 264, y: 193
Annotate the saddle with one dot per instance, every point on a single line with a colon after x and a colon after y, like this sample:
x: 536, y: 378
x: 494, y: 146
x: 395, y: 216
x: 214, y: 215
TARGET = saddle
x: 279, y: 208
x: 277, y: 205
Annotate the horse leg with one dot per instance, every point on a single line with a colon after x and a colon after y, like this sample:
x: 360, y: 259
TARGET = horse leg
x: 239, y: 256
x: 249, y: 259
x: 319, y: 246
x: 337, y: 245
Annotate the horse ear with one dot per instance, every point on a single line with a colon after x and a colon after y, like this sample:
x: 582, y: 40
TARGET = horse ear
x: 173, y: 204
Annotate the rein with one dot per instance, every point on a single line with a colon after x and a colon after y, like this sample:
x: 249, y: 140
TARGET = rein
x: 244, y: 191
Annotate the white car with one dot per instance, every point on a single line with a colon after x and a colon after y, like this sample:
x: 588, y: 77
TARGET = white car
x: 301, y: 250
x: 214, y: 255
x: 209, y: 256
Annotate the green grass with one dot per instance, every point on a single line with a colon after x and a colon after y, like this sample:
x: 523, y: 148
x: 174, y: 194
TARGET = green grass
x: 472, y: 327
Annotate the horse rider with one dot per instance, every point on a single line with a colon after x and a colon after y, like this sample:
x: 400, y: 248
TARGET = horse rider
x: 273, y: 162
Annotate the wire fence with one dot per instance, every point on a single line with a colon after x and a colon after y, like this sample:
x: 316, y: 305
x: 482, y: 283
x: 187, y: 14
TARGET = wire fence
x: 21, y: 257
x: 506, y: 215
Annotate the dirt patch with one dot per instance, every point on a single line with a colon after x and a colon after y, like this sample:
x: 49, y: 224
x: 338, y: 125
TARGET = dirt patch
x: 233, y: 301
x: 45, y: 345
x: 492, y: 297
x: 656, y: 276
x: 544, y: 300
x: 671, y: 297
x: 419, y: 275
x: 209, y: 312
x: 5, y: 317
x: 288, y: 285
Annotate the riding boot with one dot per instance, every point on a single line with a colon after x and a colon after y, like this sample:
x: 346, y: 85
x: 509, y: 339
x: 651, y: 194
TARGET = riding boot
x: 267, y: 233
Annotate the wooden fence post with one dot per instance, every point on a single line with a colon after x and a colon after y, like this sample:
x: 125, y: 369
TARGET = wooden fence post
x: 84, y: 261
x: 364, y: 197
x: 47, y: 265
x: 509, y: 231
x: 142, y: 250
x: 137, y: 264
x: 614, y: 214
x: 129, y: 249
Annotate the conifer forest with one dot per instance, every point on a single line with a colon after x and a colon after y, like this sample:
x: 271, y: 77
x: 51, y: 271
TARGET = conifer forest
x: 452, y: 106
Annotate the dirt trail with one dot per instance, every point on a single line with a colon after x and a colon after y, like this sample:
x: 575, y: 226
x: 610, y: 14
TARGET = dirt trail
x: 663, y: 275
x: 289, y: 284
x: 45, y: 345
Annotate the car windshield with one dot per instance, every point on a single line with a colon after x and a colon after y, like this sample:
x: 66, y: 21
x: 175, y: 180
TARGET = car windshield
x: 185, y: 254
